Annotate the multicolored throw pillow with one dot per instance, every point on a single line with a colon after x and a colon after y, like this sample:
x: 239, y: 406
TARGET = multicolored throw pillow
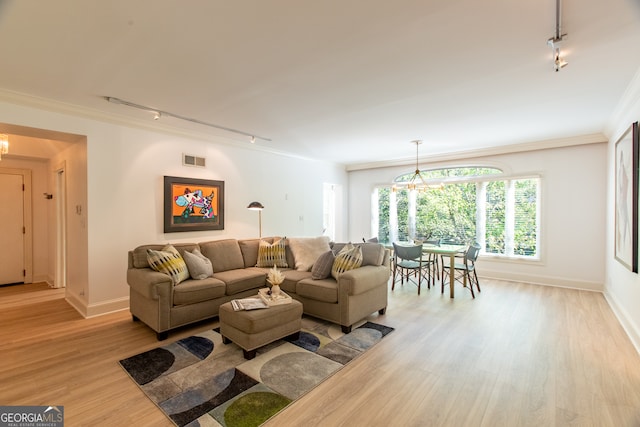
x: 272, y: 254
x: 349, y: 258
x: 169, y: 261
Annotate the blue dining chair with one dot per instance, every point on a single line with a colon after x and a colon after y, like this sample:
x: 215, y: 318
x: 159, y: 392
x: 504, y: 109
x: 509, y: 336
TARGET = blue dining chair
x: 466, y: 269
x: 408, y: 261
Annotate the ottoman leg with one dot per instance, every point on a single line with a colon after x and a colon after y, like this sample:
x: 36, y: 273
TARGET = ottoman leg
x: 249, y: 354
x: 225, y: 340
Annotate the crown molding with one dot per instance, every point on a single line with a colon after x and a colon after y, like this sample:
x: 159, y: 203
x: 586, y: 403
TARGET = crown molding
x: 595, y: 138
x: 219, y: 137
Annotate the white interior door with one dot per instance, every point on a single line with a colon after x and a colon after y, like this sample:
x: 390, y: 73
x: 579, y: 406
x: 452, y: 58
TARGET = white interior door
x: 12, y: 228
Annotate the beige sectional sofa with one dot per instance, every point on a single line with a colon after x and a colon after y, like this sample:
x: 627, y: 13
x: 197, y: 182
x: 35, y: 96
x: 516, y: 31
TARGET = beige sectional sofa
x: 163, y: 306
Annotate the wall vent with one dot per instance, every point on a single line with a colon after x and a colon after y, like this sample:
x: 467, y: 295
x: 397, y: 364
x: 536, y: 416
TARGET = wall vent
x: 189, y: 160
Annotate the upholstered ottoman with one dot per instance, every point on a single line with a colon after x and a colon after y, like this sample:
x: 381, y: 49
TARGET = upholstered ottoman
x: 251, y: 329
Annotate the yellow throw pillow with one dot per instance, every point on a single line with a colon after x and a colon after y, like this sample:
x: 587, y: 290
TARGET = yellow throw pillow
x: 270, y: 254
x: 349, y: 258
x: 169, y: 261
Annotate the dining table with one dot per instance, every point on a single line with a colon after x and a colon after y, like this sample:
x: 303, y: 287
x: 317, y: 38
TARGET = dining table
x: 446, y: 250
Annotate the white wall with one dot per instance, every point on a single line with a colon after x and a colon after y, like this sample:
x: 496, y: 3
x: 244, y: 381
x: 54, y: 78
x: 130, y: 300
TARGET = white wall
x: 573, y: 210
x: 125, y: 168
x: 622, y: 287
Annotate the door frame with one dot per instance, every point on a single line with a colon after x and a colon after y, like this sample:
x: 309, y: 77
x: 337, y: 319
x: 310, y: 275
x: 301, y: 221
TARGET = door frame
x: 60, y: 178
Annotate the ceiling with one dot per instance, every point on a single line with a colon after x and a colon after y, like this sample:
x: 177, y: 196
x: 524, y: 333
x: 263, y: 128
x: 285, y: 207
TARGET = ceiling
x: 349, y: 81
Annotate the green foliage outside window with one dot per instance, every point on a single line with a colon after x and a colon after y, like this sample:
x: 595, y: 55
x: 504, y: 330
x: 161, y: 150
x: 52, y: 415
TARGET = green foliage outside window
x: 450, y: 213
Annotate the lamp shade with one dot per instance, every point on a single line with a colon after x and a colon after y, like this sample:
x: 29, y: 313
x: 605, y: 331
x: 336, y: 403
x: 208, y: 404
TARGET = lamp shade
x: 255, y: 206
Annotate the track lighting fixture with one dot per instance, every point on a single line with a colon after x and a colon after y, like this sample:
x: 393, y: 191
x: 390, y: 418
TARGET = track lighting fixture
x: 160, y: 113
x: 555, y: 41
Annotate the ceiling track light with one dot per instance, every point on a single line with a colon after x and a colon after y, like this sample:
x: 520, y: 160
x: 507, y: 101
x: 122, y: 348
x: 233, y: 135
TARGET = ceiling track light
x: 160, y: 113
x: 554, y: 42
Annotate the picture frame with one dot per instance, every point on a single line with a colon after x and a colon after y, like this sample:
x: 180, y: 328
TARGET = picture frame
x: 193, y: 204
x: 626, y: 199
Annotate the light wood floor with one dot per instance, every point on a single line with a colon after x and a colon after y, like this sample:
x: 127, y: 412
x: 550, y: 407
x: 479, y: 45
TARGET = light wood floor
x: 517, y: 355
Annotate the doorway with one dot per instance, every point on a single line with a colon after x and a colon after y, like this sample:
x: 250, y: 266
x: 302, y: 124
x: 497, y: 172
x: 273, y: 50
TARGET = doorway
x: 15, y: 226
x: 57, y: 162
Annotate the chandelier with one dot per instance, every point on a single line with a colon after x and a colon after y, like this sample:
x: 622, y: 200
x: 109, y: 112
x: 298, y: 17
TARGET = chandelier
x: 417, y: 182
x: 4, y: 144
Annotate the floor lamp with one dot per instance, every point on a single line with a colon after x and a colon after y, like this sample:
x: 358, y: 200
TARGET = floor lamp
x: 257, y: 206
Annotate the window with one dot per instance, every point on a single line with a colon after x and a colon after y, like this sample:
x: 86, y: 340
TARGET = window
x: 329, y: 210
x: 464, y: 205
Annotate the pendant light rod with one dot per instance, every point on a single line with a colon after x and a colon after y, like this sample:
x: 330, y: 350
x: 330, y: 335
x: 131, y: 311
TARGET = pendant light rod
x: 160, y: 113
x: 417, y: 142
x: 558, y: 19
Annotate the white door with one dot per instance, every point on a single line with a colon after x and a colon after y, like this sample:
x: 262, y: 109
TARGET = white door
x: 12, y: 228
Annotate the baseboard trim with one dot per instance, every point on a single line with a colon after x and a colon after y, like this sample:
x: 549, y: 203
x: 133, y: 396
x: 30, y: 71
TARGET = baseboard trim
x: 100, y: 309
x: 559, y: 282
x: 623, y: 318
x: 107, y: 307
x: 76, y: 303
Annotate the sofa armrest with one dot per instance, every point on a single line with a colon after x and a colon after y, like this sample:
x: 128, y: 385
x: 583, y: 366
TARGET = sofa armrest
x: 149, y: 283
x: 363, y: 279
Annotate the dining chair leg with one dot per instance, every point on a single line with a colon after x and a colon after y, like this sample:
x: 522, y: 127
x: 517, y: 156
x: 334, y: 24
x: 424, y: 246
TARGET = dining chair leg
x: 477, y: 281
x: 468, y: 277
x: 393, y: 282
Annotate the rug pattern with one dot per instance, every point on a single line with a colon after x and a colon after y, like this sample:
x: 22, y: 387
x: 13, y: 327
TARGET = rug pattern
x: 199, y: 381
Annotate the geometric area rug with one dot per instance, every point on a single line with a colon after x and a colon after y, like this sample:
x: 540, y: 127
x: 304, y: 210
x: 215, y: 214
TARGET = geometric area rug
x: 199, y: 381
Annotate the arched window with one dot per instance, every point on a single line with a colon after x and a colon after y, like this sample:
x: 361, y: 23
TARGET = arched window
x: 463, y: 204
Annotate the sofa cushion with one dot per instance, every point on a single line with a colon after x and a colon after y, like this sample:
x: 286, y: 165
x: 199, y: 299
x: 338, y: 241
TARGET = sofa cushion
x: 241, y: 279
x: 322, y: 267
x: 199, y: 265
x: 348, y: 258
x: 224, y: 254
x: 372, y: 253
x: 168, y: 261
x: 306, y: 250
x: 272, y: 254
x: 320, y: 290
x: 249, y: 249
x: 194, y: 291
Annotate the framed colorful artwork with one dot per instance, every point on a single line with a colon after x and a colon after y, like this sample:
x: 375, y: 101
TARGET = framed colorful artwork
x: 193, y: 204
x: 626, y: 208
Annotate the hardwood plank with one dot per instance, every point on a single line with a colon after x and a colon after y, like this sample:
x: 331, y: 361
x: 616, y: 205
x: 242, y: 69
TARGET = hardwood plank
x: 517, y: 355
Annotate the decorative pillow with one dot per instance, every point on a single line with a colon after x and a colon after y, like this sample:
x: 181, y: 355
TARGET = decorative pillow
x: 349, y: 258
x: 199, y: 265
x: 169, y: 261
x: 322, y: 267
x: 306, y: 250
x: 270, y: 254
